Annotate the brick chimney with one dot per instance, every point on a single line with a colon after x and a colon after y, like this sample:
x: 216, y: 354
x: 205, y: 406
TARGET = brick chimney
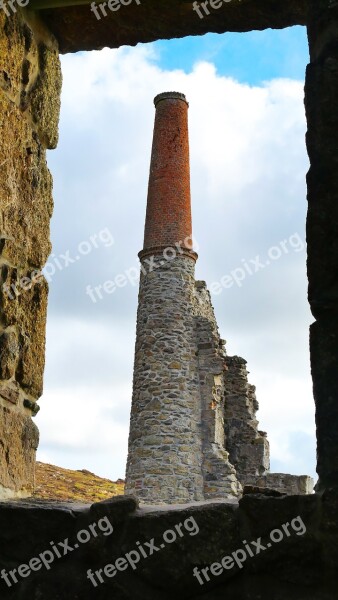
x: 165, y: 448
x: 168, y: 217
x: 176, y: 450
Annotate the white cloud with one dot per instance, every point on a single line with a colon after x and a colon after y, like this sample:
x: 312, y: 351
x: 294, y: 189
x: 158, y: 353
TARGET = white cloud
x: 248, y: 164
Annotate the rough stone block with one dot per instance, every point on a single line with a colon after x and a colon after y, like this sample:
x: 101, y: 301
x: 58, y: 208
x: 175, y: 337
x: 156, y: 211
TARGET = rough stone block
x: 25, y: 189
x: 14, y: 39
x: 27, y: 313
x: 32, y: 336
x: 324, y: 366
x: 30, y: 73
x: 19, y: 440
x: 9, y: 354
x: 296, y: 567
x: 45, y: 97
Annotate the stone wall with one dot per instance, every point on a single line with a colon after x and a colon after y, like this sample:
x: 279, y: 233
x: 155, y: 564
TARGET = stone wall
x: 193, y: 430
x: 321, y: 92
x: 142, y: 22
x: 293, y: 542
x: 164, y: 460
x: 300, y: 567
x: 219, y: 475
x: 248, y: 448
x: 235, y: 452
x: 30, y: 86
x: 286, y: 484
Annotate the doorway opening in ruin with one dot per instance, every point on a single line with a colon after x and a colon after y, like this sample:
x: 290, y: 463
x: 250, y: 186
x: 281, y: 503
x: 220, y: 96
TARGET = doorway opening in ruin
x: 248, y: 165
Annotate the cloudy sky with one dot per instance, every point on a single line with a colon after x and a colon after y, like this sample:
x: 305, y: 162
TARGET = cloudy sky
x: 248, y: 166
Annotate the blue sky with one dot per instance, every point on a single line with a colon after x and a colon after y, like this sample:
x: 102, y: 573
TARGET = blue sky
x: 251, y: 57
x: 248, y: 166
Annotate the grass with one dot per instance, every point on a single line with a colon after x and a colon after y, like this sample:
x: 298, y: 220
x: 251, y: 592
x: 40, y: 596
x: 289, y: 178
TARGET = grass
x: 55, y: 483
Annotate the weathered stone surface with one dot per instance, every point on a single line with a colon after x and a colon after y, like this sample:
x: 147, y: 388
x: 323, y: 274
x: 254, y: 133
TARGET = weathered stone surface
x: 45, y: 97
x: 18, y: 443
x: 164, y: 315
x: 305, y: 567
x: 248, y: 447
x: 30, y: 83
x: 9, y: 352
x: 301, y: 565
x: 32, y: 337
x: 14, y: 40
x: 25, y: 190
x: 30, y: 73
x: 321, y: 91
x: 27, y: 313
x: 76, y: 28
x: 10, y: 392
x: 32, y: 406
x: 287, y: 484
x: 255, y: 489
x: 178, y: 389
x: 324, y: 366
x: 220, y: 478
x: 193, y: 428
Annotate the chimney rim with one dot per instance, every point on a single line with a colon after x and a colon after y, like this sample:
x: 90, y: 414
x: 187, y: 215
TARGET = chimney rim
x: 170, y: 96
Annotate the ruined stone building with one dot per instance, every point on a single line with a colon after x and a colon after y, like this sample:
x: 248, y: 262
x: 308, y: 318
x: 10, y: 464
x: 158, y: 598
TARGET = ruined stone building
x: 193, y: 432
x: 177, y: 437
x: 31, y: 40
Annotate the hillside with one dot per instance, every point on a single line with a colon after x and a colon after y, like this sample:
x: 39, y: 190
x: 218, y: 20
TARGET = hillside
x: 55, y: 483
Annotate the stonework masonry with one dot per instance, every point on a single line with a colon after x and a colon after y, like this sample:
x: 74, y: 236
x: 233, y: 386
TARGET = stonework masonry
x: 165, y: 441
x: 299, y: 568
x: 176, y: 450
x: 248, y: 447
x: 30, y: 86
x: 75, y: 30
x: 193, y: 428
x: 229, y: 416
x: 219, y: 475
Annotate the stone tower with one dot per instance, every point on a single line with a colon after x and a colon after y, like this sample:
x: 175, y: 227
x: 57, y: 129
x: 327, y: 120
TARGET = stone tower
x: 176, y: 441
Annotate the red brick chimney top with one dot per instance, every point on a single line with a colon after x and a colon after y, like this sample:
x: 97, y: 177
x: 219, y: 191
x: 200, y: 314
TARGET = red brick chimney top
x: 170, y: 96
x: 168, y: 218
